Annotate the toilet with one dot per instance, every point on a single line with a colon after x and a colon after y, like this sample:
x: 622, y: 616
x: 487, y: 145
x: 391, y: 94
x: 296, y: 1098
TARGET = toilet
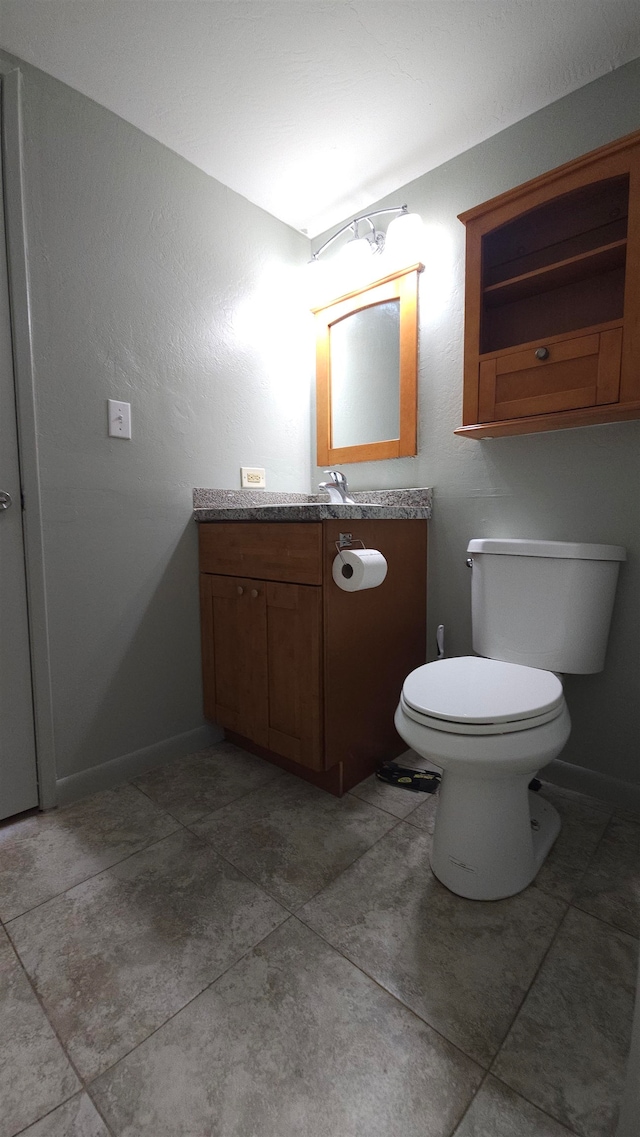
x: 492, y: 720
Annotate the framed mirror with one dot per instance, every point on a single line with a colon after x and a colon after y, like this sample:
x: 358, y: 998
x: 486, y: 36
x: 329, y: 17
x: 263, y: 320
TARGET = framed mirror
x: 367, y: 372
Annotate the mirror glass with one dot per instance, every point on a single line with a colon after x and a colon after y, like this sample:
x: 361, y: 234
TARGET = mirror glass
x: 367, y: 372
x: 365, y: 375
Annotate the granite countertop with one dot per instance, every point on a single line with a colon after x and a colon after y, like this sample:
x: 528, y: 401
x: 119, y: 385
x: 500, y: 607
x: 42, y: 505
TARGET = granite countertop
x: 263, y: 505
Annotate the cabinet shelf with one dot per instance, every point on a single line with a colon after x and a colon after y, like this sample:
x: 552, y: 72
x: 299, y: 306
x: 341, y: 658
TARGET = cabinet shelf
x: 592, y: 263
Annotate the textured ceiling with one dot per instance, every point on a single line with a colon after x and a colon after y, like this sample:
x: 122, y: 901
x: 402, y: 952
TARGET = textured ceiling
x: 313, y: 110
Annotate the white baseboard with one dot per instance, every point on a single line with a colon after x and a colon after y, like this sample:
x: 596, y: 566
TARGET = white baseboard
x: 128, y: 766
x: 625, y: 795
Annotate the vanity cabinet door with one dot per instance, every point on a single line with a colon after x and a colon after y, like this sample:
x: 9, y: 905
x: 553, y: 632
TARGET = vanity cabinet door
x: 237, y: 642
x: 294, y: 639
x: 262, y: 663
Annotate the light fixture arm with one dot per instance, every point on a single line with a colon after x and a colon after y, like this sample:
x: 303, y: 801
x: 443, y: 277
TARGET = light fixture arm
x: 375, y: 237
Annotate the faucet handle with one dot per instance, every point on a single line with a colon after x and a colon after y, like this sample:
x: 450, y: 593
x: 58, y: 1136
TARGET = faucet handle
x: 337, y: 476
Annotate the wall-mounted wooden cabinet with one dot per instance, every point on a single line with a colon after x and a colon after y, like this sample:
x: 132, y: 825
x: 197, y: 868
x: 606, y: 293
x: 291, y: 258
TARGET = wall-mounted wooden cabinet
x: 294, y: 668
x: 552, y: 299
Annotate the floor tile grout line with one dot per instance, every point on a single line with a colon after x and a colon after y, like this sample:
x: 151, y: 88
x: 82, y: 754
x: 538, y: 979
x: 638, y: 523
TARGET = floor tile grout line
x: 580, y: 798
x: 574, y: 899
x: 307, y: 900
x: 382, y: 808
x: 54, y: 1029
x: 98, y: 1109
x: 392, y: 995
x: 209, y: 813
x: 294, y: 911
x: 489, y: 1069
x: 179, y: 824
x: 150, y: 799
x: 489, y: 1074
x: 263, y: 887
x: 469, y: 1104
x: 43, y: 1116
x: 288, y: 914
x: 92, y: 876
x: 590, y: 860
x: 78, y: 1093
x: 631, y: 819
x: 559, y: 1120
x: 86, y: 1082
x: 243, y: 872
x: 534, y: 980
x: 292, y: 916
x: 607, y: 923
x: 486, y: 1071
x: 565, y: 1124
x: 90, y: 1082
x: 295, y: 915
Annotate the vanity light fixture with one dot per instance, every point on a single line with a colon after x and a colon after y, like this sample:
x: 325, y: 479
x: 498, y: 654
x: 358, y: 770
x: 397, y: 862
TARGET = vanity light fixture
x: 369, y: 243
x: 366, y: 256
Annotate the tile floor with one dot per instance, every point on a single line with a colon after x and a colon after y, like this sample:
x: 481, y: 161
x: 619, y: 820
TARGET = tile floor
x: 221, y: 950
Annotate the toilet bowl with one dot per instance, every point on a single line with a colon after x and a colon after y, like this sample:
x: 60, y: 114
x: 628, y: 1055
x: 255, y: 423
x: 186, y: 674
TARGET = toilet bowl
x: 493, y: 720
x: 490, y: 726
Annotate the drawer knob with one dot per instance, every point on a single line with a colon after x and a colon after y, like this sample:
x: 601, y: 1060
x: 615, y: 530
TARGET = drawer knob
x: 240, y: 590
x: 254, y: 592
x: 542, y: 353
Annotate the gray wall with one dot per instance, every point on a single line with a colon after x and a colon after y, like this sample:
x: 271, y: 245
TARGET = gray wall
x: 576, y: 485
x: 155, y: 284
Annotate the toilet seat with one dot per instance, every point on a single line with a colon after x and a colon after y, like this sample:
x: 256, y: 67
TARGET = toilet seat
x: 473, y: 695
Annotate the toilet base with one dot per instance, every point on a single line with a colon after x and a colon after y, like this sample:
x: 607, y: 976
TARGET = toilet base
x: 545, y: 827
x: 490, y: 838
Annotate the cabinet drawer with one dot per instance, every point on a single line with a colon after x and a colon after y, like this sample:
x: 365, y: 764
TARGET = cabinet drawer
x: 583, y: 371
x: 284, y: 551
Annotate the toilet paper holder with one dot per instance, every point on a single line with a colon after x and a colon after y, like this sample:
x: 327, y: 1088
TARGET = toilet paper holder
x: 347, y: 541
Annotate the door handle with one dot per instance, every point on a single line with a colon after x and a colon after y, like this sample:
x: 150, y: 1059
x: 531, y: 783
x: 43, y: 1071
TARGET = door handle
x: 5, y: 500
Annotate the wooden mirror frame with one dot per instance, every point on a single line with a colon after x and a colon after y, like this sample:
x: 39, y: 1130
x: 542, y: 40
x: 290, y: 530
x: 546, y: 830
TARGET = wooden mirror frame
x: 402, y: 286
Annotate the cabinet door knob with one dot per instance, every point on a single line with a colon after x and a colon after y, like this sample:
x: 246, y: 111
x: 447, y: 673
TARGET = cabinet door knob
x: 542, y: 353
x: 254, y: 592
x: 240, y: 590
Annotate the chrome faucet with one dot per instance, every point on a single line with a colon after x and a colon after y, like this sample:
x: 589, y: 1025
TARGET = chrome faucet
x: 337, y: 488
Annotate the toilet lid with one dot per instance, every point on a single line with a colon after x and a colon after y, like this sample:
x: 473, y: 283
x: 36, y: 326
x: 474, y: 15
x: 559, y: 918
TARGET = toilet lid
x: 474, y: 690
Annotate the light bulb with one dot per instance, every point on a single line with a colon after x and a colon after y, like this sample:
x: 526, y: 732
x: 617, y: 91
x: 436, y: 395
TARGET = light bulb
x: 405, y: 239
x: 356, y: 252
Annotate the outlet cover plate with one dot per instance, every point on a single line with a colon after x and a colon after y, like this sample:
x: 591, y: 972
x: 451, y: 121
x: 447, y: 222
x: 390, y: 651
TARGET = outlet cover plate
x: 252, y: 478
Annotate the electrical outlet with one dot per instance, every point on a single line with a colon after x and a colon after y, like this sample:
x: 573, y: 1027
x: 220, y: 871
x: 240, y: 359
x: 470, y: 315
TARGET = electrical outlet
x: 119, y: 419
x: 252, y: 478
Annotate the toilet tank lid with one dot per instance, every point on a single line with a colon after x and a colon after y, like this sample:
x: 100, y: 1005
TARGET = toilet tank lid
x: 517, y: 547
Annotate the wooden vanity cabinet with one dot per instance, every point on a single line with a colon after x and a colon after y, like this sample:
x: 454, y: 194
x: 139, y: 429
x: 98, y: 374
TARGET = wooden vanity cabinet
x: 552, y: 299
x: 295, y: 669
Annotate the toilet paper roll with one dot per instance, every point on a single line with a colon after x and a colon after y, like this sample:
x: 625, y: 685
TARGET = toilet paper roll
x: 356, y: 569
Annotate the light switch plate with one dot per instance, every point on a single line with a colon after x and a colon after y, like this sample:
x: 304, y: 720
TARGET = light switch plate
x: 252, y: 478
x: 119, y: 419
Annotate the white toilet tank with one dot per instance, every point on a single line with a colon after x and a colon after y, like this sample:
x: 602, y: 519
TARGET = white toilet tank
x: 544, y: 604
